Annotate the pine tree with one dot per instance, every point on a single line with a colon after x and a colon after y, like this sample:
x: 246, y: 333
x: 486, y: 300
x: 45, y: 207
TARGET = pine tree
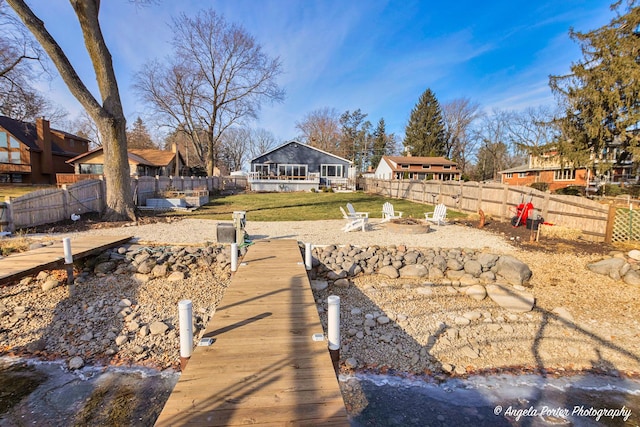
x: 425, y: 133
x: 602, y: 93
x: 138, y: 136
x: 380, y: 139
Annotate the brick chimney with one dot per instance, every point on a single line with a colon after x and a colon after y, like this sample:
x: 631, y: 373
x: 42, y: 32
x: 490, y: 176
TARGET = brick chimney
x: 44, y: 142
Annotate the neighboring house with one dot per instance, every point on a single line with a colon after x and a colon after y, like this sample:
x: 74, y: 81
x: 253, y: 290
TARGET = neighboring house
x: 548, y: 168
x: 35, y: 153
x: 417, y: 168
x: 294, y: 166
x: 142, y: 162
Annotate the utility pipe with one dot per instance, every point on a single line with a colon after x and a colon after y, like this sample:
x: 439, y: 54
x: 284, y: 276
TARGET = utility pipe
x: 68, y: 263
x: 185, y: 319
x: 307, y: 256
x: 234, y: 256
x: 333, y: 319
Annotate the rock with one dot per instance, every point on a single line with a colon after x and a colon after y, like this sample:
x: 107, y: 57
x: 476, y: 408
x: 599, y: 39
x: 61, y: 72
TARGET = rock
x: 383, y: 320
x: 36, y: 245
x: 50, y: 284
x: 632, y: 278
x: 473, y: 268
x: 341, y: 283
x: 76, y: 363
x: 513, y: 270
x: 124, y: 303
x: 158, y: 328
x: 414, y: 270
x: 335, y: 275
x: 461, y: 321
x: 351, y: 363
x: 389, y: 271
x: 159, y: 270
x: 176, y: 276
x: 467, y: 351
x: 142, y: 278
x: 319, y: 285
x: 121, y: 339
x: 472, y: 315
x: 510, y: 299
x: 606, y: 266
x: 424, y: 290
x: 634, y: 254
x: 356, y: 311
x: 105, y: 267
x: 476, y: 292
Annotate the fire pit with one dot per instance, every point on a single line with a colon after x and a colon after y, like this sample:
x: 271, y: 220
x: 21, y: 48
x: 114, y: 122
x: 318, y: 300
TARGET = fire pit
x: 408, y: 226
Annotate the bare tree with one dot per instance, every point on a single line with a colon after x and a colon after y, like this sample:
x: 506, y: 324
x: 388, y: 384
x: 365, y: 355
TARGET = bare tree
x: 532, y: 129
x: 494, y: 151
x: 459, y: 115
x: 235, y: 148
x: 217, y: 76
x: 261, y: 141
x: 84, y: 126
x: 108, y: 116
x: 321, y: 129
x: 22, y: 62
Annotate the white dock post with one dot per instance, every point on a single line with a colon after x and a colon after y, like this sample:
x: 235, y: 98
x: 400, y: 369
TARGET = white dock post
x: 333, y: 319
x: 68, y: 263
x: 234, y: 256
x: 307, y: 256
x: 185, y: 319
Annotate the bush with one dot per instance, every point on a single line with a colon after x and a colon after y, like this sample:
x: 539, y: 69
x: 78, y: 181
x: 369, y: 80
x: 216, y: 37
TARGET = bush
x: 572, y: 190
x: 610, y: 190
x: 540, y: 186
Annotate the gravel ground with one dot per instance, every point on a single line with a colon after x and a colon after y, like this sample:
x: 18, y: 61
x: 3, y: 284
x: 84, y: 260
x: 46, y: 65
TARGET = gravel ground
x: 597, y: 329
x: 328, y: 232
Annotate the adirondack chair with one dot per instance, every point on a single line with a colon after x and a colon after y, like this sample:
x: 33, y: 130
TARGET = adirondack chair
x: 388, y: 213
x: 353, y: 212
x: 354, y: 222
x: 438, y: 216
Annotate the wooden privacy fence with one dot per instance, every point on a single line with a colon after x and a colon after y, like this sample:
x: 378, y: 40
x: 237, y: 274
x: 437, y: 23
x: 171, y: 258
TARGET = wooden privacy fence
x: 592, y: 218
x: 53, y: 205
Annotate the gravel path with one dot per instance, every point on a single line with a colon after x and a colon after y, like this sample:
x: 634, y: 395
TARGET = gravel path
x: 327, y: 232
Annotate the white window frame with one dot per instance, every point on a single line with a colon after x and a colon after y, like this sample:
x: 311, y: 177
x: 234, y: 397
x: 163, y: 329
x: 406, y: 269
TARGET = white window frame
x: 522, y: 174
x: 260, y: 169
x: 564, y: 175
x: 290, y: 169
x: 325, y: 167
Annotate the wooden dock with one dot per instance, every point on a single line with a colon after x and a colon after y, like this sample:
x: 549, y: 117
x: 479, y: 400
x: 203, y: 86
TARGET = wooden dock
x: 16, y: 266
x: 263, y: 367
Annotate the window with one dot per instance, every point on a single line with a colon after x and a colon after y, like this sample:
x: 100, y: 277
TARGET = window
x: 446, y: 167
x: 404, y: 166
x: 262, y: 169
x: 426, y: 166
x: 522, y: 174
x: 88, y: 168
x: 564, y: 175
x: 509, y: 175
x: 292, y: 171
x: 9, y: 149
x: 331, y: 171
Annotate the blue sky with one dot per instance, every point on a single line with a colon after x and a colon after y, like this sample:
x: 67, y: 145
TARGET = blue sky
x: 378, y: 56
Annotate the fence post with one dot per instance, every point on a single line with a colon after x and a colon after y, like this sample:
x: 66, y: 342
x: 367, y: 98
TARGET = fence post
x: 611, y: 217
x: 479, y: 201
x: 7, y: 224
x: 66, y: 201
x: 545, y: 204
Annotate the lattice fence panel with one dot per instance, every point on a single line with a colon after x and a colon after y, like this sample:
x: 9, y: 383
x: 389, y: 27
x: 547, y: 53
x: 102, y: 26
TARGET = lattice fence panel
x: 626, y: 225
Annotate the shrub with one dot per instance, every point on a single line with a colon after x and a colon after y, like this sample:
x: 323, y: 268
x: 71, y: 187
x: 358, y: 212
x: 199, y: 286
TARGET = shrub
x: 610, y: 190
x: 572, y: 190
x: 540, y: 186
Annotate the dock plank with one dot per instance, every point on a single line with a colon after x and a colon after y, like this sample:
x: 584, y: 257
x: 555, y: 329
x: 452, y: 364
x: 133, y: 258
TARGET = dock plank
x: 16, y: 266
x: 263, y: 367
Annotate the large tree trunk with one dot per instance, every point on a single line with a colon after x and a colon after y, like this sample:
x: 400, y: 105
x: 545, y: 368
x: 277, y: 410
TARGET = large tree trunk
x: 109, y: 116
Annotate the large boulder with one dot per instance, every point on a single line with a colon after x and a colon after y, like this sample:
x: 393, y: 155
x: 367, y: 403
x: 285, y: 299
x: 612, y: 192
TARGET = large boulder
x: 414, y: 270
x: 608, y: 267
x: 513, y: 270
x: 510, y: 298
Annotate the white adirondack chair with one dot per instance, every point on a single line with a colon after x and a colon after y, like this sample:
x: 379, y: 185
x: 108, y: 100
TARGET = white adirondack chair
x: 388, y: 213
x: 353, y: 212
x: 438, y: 216
x: 354, y: 222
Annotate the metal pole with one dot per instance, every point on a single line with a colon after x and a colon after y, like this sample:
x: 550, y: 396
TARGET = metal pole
x: 307, y: 256
x: 333, y: 319
x: 185, y: 319
x: 234, y: 256
x: 68, y: 263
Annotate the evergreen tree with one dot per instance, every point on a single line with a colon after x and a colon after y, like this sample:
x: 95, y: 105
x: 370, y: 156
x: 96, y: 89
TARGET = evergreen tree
x: 355, y: 137
x: 138, y: 136
x: 380, y: 143
x: 425, y: 133
x: 601, y: 95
